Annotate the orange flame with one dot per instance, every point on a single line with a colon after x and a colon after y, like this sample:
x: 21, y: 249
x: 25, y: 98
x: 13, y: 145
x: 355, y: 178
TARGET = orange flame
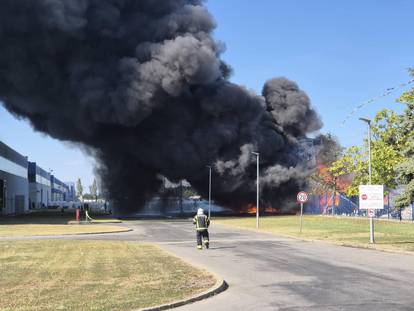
x: 342, y: 182
x: 251, y: 210
x: 248, y: 208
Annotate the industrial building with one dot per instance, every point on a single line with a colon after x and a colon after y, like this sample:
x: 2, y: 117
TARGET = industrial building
x: 24, y: 185
x: 14, y: 184
x: 59, y: 189
x: 71, y: 196
x: 39, y: 187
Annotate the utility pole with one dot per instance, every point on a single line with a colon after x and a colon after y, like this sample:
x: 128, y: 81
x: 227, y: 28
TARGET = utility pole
x: 181, y: 198
x: 371, y: 218
x: 257, y: 189
x: 209, y: 191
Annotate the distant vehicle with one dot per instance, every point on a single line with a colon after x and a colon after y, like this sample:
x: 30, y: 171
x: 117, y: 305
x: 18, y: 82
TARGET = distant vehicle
x: 195, y: 197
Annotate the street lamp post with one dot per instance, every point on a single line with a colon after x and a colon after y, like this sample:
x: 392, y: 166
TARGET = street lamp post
x: 181, y: 197
x: 371, y: 218
x: 209, y: 191
x: 257, y: 189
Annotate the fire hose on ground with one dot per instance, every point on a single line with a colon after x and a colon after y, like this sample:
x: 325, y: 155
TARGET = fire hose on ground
x: 89, y: 218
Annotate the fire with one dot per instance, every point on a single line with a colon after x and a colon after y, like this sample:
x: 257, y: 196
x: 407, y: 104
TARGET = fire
x: 251, y: 209
x: 326, y: 194
x: 328, y: 199
x: 341, y: 183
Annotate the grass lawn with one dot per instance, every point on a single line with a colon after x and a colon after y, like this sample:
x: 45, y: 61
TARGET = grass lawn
x: 342, y: 230
x: 92, y: 275
x: 53, y: 217
x: 53, y: 223
x: 45, y: 229
x: 48, y: 217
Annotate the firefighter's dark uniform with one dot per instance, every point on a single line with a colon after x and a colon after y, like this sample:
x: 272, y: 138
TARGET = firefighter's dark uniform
x: 202, y: 222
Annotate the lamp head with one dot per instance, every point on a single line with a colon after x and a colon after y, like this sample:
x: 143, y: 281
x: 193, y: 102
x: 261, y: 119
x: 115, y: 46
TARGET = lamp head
x: 365, y: 120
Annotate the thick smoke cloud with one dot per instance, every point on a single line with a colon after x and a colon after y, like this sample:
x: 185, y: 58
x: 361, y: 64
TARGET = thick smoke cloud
x: 142, y: 86
x: 290, y: 107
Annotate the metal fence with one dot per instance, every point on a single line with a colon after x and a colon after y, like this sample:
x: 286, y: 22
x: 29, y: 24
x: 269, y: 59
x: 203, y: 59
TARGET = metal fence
x: 339, y: 204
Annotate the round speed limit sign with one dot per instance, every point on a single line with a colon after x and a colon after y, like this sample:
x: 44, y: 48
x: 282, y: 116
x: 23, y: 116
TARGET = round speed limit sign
x: 371, y: 212
x: 302, y: 197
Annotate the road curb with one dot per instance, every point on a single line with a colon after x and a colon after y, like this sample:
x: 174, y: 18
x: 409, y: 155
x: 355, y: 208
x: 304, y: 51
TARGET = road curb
x: 220, y: 286
x: 98, y: 232
x: 86, y: 222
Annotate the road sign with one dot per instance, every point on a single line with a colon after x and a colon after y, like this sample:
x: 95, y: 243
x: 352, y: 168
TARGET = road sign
x: 302, y: 197
x: 371, y: 212
x: 371, y: 197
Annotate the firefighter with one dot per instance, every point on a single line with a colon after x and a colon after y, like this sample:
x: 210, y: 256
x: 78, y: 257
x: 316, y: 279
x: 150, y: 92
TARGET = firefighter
x: 202, y: 222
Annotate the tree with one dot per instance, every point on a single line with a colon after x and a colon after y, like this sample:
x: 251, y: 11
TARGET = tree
x: 93, y: 190
x: 79, y: 189
x: 386, y: 150
x: 406, y: 168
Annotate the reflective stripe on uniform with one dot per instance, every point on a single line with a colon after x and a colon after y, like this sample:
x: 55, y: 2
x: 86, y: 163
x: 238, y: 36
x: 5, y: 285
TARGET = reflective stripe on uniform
x: 200, y: 222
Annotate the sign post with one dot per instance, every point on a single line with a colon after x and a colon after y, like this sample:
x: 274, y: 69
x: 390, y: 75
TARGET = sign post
x: 302, y: 197
x: 371, y: 198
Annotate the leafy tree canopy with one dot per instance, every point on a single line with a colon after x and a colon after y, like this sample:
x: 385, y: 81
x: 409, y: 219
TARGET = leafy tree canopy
x: 406, y: 169
x: 388, y: 141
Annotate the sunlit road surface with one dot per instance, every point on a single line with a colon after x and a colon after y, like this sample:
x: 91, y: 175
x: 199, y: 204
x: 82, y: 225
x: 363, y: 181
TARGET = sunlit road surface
x: 266, y: 272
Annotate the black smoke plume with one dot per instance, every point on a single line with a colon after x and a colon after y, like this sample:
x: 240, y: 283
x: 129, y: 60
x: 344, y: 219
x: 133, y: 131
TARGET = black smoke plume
x: 142, y: 85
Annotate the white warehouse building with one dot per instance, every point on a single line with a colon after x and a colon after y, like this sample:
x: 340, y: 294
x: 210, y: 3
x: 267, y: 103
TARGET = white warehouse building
x: 14, y: 185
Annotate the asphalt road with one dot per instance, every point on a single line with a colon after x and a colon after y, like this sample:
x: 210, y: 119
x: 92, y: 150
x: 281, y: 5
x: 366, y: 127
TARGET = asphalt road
x: 266, y: 272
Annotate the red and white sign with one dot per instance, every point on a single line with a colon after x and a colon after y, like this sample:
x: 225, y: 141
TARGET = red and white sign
x: 302, y: 197
x: 371, y: 212
x: 371, y: 197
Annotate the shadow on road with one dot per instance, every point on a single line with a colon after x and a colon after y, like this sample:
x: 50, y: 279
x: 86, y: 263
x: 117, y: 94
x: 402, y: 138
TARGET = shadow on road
x: 222, y: 247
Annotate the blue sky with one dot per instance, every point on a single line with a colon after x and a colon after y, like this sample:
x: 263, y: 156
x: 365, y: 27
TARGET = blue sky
x: 340, y: 52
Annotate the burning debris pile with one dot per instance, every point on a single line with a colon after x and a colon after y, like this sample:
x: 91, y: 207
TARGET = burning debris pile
x: 140, y: 84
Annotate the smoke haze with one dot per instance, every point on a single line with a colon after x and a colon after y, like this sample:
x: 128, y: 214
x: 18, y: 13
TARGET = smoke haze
x: 141, y: 85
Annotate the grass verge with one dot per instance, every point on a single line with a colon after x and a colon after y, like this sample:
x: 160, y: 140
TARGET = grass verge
x: 106, y: 221
x: 341, y: 230
x: 45, y: 229
x: 93, y: 275
x: 53, y: 217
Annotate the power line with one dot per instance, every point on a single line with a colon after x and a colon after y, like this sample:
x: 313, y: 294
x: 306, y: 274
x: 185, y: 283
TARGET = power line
x: 374, y: 99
